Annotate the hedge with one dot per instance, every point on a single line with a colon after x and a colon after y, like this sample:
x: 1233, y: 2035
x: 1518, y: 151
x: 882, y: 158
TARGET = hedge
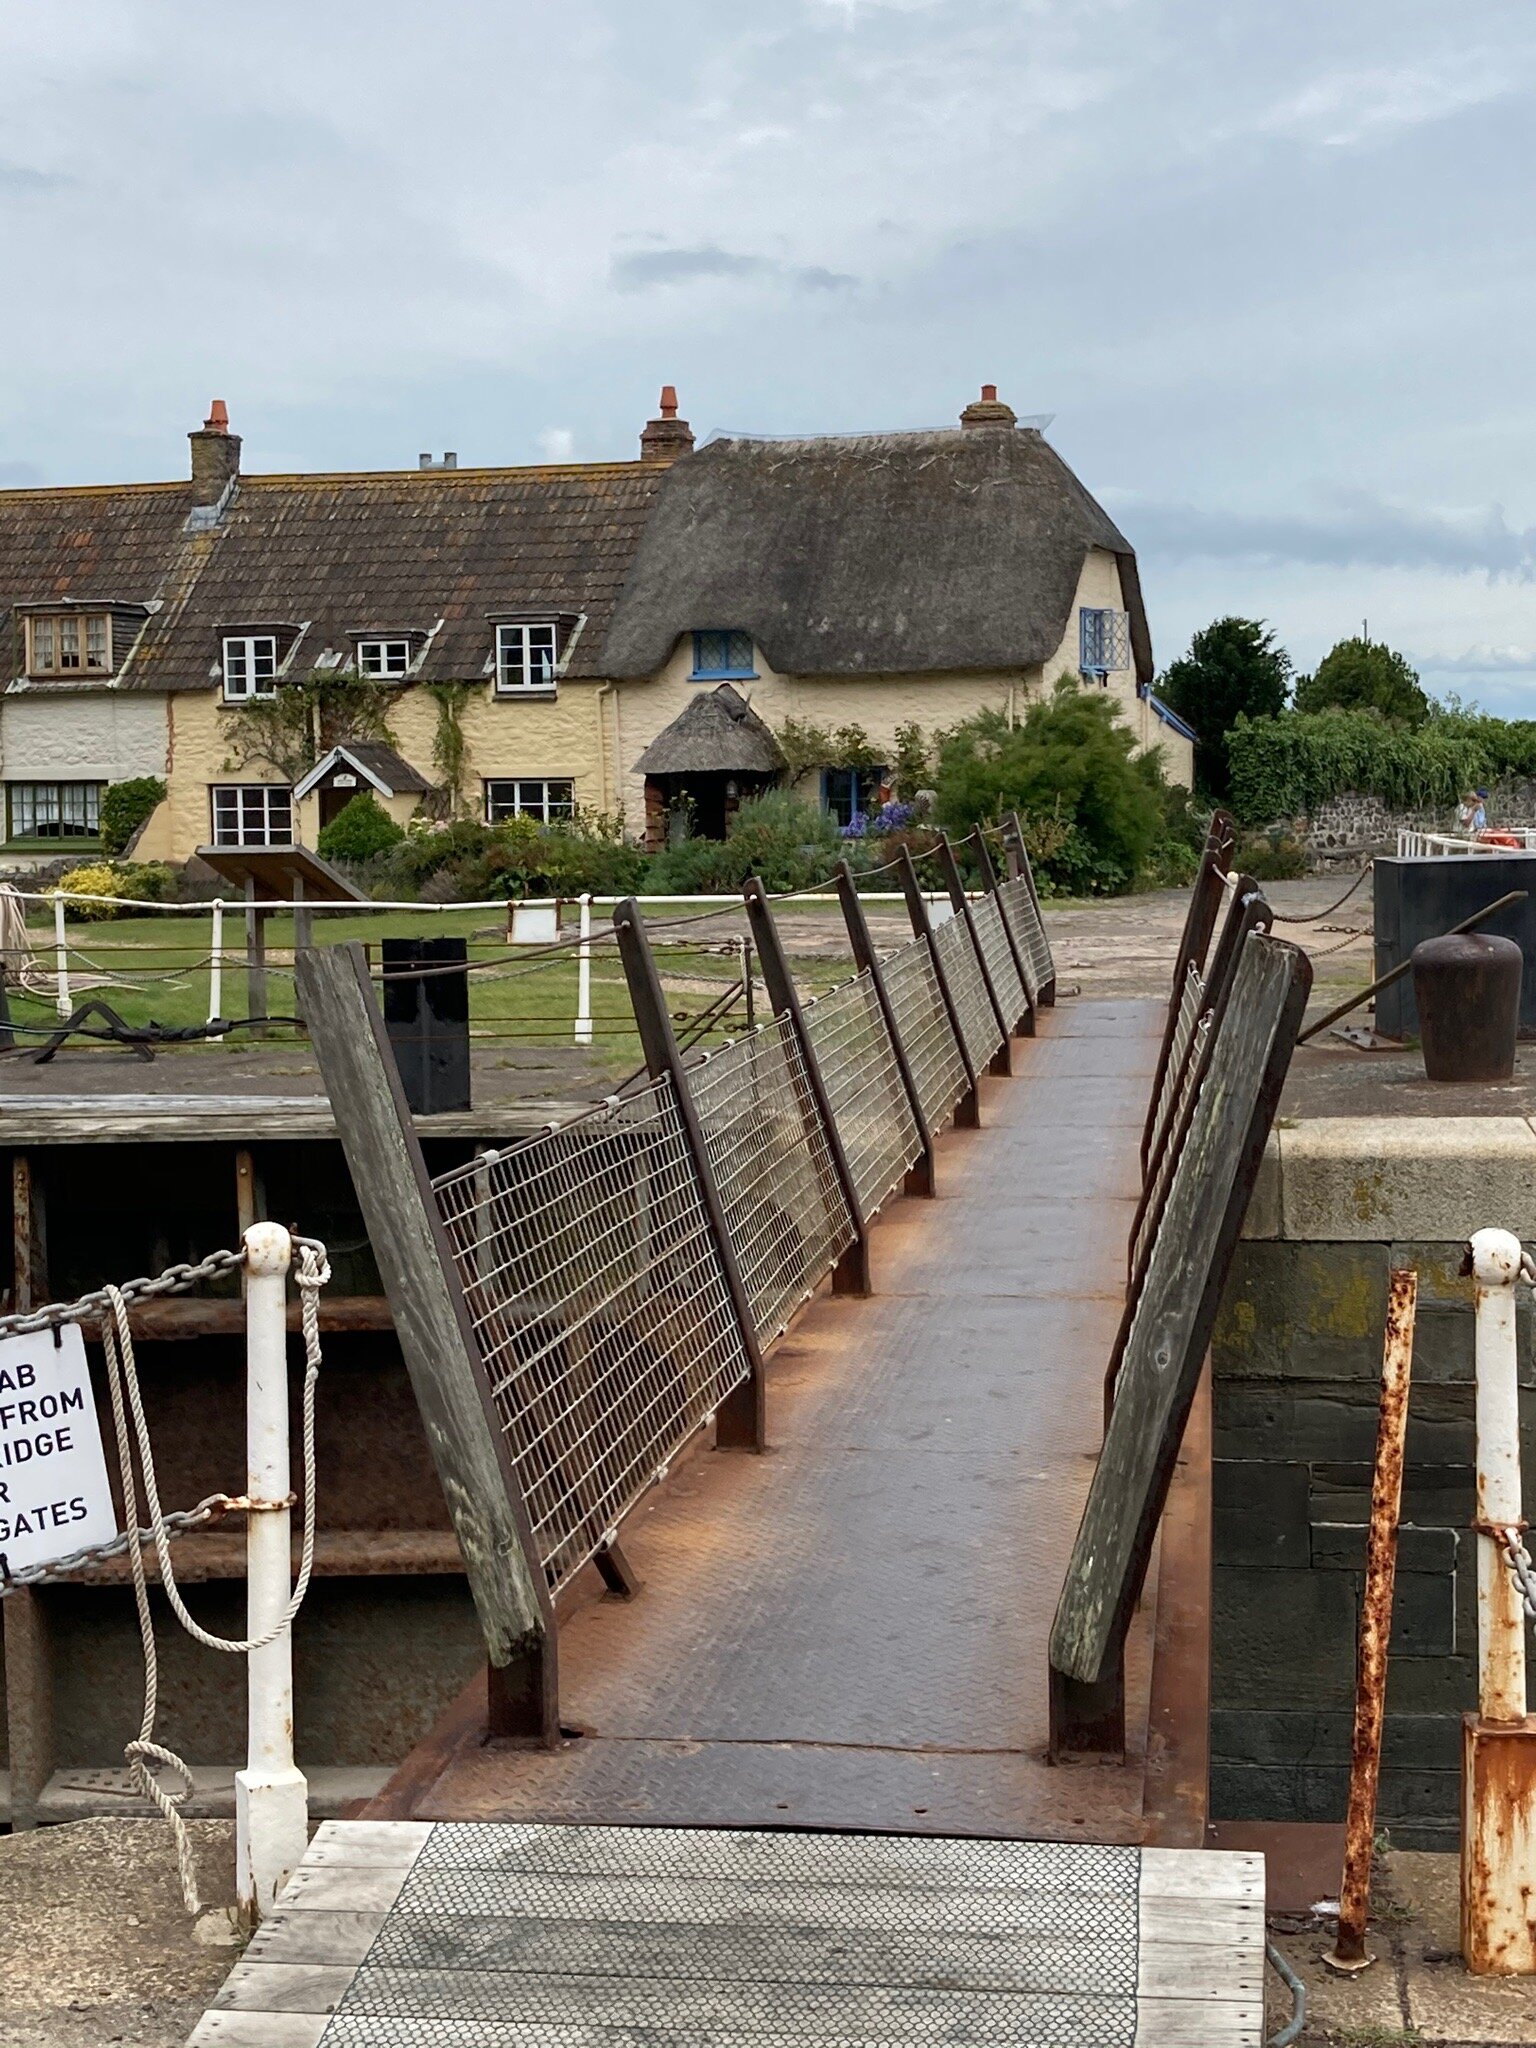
x: 1285, y: 767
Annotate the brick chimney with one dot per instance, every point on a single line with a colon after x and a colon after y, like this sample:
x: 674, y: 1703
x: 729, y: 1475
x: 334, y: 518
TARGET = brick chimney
x: 668, y: 437
x: 215, y: 456
x: 988, y: 411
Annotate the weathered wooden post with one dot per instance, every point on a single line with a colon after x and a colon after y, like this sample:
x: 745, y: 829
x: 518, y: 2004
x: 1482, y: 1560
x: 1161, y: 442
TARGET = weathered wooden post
x: 437, y: 1339
x: 741, y: 1419
x: 851, y: 1273
x: 1002, y: 1059
x: 968, y: 1108
x: 920, y: 1178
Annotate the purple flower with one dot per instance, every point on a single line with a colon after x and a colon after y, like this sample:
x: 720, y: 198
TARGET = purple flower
x: 855, y: 828
x: 894, y: 817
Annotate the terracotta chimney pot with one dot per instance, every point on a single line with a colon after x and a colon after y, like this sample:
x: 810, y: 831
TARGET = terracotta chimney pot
x: 666, y: 437
x: 215, y: 456
x: 988, y: 411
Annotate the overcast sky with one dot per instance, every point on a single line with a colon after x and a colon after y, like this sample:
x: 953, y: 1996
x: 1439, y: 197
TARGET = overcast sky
x: 1270, y: 267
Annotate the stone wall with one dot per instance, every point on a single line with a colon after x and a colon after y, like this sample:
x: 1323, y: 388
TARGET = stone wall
x: 1349, y: 829
x: 1297, y: 1362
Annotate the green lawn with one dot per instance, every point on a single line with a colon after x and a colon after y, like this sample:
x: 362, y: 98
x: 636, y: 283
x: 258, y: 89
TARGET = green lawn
x: 514, y: 1001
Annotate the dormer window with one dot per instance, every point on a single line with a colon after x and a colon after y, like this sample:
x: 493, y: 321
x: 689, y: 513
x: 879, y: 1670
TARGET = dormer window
x: 66, y: 644
x: 384, y: 658
x: 723, y: 657
x: 527, y: 653
x: 250, y: 666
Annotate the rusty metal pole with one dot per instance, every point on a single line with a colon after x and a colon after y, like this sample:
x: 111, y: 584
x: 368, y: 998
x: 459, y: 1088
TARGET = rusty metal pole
x: 1498, y: 1746
x: 1375, y: 1636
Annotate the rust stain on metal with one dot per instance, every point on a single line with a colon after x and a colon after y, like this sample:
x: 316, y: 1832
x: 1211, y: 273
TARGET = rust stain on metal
x: 1498, y: 1846
x: 1376, y: 1623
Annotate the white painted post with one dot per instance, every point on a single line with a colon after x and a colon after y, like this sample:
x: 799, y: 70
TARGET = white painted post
x: 584, y: 974
x: 1498, y: 1782
x: 62, y: 1001
x: 271, y: 1796
x: 1500, y: 1617
x: 216, y: 962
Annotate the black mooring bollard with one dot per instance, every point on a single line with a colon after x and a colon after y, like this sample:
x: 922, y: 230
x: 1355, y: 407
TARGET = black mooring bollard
x: 1467, y: 990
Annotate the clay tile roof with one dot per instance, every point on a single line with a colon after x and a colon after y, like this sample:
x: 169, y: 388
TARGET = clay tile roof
x: 119, y: 542
x: 374, y: 758
x: 870, y: 554
x: 421, y: 550
x: 716, y: 732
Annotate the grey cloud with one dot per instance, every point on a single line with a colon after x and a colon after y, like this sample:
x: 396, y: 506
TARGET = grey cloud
x: 1362, y: 532
x: 648, y: 268
x: 23, y: 178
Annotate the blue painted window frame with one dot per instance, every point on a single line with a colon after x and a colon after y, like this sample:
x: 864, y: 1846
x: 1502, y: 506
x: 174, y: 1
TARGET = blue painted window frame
x: 1103, y: 640
x: 723, y: 654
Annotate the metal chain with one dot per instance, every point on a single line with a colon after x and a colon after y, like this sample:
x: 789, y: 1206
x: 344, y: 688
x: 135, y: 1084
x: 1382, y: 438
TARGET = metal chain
x: 91, y: 1307
x: 1518, y: 1558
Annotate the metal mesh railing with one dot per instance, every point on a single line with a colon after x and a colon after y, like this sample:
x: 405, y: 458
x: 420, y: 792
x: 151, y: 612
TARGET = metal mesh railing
x: 600, y: 1309
x: 1179, y: 1094
x: 864, y: 1088
x: 962, y: 970
x: 784, y: 1210
x: 1001, y: 965
x: 1191, y: 1004
x: 1018, y: 906
x: 927, y: 1038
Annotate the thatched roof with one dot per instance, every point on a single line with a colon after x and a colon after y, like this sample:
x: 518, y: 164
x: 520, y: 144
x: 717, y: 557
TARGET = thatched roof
x: 716, y: 733
x: 870, y: 554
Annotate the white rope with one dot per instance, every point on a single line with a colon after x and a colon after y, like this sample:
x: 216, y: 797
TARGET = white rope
x: 310, y: 1275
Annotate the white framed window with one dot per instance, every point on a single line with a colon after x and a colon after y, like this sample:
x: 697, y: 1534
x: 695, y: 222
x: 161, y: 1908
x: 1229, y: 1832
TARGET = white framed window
x: 383, y: 658
x: 69, y: 644
x: 525, y: 658
x: 250, y: 666
x: 53, y: 810
x: 252, y: 814
x: 1104, y: 641
x: 547, y: 798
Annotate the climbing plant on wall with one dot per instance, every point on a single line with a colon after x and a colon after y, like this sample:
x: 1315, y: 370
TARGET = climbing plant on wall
x: 304, y: 719
x: 449, y: 745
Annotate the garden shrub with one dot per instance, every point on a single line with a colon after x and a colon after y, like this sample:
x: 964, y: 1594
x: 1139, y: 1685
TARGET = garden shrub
x: 361, y: 830
x: 148, y: 881
x: 1069, y: 763
x: 127, y: 805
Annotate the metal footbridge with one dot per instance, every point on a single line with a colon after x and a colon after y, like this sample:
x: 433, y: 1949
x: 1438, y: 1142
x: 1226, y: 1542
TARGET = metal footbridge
x: 846, y: 1675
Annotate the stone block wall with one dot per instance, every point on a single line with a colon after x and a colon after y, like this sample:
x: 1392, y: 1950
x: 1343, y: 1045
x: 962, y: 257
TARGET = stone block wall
x: 1297, y: 1361
x: 1348, y: 829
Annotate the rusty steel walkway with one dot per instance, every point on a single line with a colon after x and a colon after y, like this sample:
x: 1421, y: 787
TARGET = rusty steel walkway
x: 850, y: 1630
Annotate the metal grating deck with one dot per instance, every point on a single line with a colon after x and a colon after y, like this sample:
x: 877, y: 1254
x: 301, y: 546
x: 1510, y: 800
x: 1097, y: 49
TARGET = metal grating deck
x: 410, y: 1934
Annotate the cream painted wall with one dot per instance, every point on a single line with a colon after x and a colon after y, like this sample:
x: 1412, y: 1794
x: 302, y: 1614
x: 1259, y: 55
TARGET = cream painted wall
x: 1099, y: 586
x: 81, y: 735
x: 877, y: 703
x: 541, y: 737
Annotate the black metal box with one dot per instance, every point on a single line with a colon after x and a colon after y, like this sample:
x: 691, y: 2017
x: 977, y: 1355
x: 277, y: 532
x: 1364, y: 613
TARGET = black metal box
x: 426, y: 1014
x: 1419, y: 899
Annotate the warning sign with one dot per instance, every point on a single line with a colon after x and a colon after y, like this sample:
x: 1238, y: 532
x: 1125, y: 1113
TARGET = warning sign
x: 54, y: 1496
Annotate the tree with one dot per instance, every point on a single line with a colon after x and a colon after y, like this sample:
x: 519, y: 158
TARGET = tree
x: 1234, y: 667
x: 1070, y: 763
x: 1364, y: 675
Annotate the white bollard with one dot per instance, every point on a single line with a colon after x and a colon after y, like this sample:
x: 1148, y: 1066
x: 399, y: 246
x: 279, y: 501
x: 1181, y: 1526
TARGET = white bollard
x: 271, y: 1796
x: 62, y: 1002
x: 1498, y: 1771
x: 216, y: 962
x: 584, y: 974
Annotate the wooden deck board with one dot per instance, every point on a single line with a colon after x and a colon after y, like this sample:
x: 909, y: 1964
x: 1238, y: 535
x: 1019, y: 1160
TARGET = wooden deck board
x: 578, y: 1935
